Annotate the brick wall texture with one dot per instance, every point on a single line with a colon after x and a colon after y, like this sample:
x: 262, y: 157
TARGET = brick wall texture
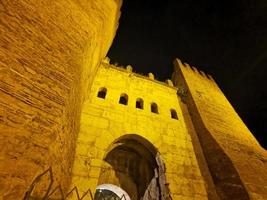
x: 49, y: 54
x: 104, y: 121
x: 52, y: 68
x: 235, y: 159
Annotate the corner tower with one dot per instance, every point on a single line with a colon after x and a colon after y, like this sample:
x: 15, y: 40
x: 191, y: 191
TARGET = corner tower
x: 235, y: 159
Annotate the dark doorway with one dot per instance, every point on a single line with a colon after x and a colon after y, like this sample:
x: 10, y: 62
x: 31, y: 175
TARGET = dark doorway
x: 135, y: 166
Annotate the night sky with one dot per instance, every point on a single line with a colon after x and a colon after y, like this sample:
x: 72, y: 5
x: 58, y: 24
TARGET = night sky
x: 227, y: 39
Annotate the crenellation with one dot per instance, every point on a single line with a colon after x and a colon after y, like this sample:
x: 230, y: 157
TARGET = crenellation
x: 169, y: 82
x: 95, y: 122
x: 129, y: 68
x: 178, y: 65
x: 116, y: 64
x: 195, y: 69
x: 151, y: 76
x: 106, y: 60
x: 203, y: 74
x: 211, y: 78
x: 187, y: 66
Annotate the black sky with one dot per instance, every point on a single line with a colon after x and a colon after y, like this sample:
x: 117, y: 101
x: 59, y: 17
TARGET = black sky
x: 225, y: 38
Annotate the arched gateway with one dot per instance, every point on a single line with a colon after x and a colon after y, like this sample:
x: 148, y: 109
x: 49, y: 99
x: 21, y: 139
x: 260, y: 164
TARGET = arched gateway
x: 133, y: 164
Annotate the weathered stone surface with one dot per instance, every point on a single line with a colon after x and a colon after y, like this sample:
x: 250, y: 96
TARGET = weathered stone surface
x: 51, y: 114
x: 209, y: 184
x: 104, y: 122
x: 234, y: 157
x: 49, y: 54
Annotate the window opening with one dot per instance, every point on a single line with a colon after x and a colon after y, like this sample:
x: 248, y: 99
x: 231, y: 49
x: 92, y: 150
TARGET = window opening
x: 174, y: 114
x: 123, y: 99
x: 154, y: 108
x: 102, y: 93
x: 139, y: 103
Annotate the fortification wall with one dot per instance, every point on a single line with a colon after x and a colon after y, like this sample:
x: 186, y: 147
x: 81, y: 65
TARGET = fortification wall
x: 204, y: 169
x: 50, y: 51
x: 105, y: 120
x: 236, y: 160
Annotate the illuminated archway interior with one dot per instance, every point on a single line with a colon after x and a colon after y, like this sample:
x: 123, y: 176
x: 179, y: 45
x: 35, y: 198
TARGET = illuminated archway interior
x: 132, y: 165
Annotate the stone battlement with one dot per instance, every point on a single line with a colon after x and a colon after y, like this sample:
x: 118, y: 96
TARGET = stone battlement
x: 129, y: 69
x: 98, y: 124
x: 185, y: 66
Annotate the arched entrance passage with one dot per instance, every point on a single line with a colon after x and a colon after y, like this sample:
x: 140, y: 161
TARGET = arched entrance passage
x: 134, y: 164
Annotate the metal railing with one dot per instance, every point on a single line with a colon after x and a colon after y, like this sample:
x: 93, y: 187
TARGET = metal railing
x: 50, y: 191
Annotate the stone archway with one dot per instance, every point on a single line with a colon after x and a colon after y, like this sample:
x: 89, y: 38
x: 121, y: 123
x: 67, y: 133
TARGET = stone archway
x: 134, y: 164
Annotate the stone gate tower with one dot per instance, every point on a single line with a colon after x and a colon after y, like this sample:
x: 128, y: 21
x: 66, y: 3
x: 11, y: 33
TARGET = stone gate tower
x: 64, y: 106
x: 133, y: 134
x: 160, y: 141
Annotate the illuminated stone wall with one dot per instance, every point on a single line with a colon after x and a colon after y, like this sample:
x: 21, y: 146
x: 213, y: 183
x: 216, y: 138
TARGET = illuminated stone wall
x: 49, y: 54
x: 50, y: 114
x: 236, y: 160
x: 105, y: 120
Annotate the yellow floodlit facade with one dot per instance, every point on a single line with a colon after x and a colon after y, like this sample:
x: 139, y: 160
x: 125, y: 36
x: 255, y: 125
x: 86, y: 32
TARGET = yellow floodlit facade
x: 143, y: 136
x: 104, y: 121
x: 73, y: 125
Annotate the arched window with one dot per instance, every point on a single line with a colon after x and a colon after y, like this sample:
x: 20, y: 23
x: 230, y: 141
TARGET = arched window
x: 174, y: 114
x: 123, y: 99
x: 139, y: 103
x: 102, y: 92
x: 154, y: 108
